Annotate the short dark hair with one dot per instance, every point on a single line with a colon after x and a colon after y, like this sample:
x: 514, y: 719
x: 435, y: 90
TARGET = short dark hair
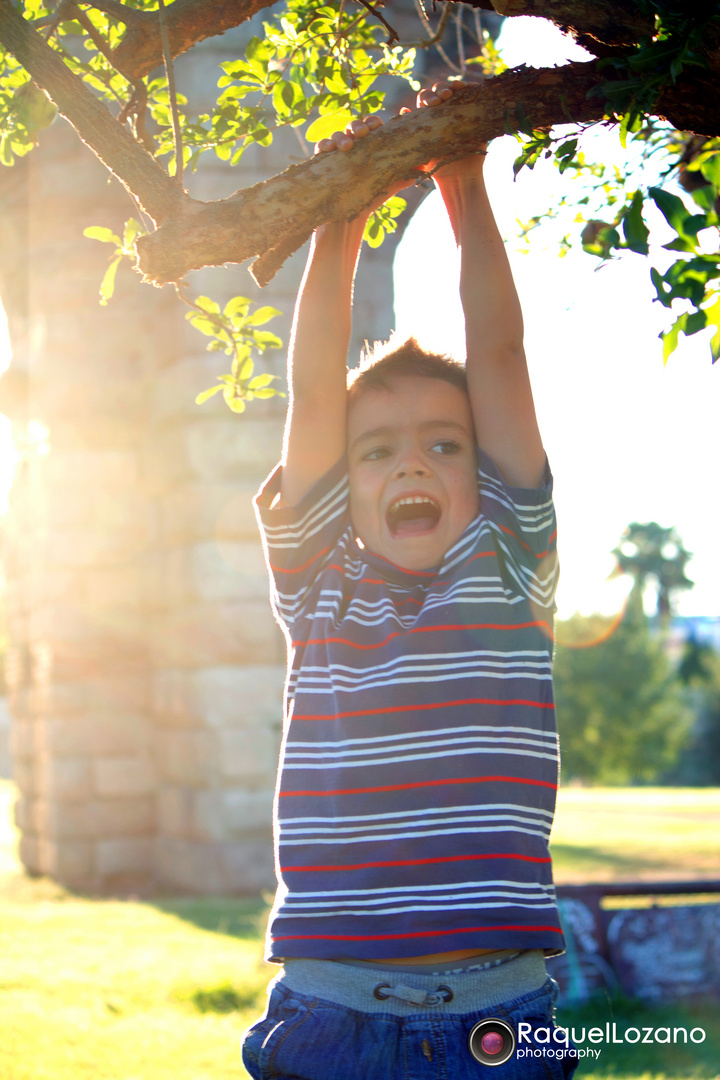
x: 387, y: 361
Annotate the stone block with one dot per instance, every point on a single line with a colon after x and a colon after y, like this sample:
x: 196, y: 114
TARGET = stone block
x: 221, y: 696
x: 247, y: 813
x: 187, y: 758
x: 64, y: 821
x: 124, y: 857
x: 114, y: 586
x: 63, y: 779
x: 213, y: 450
x: 64, y: 737
x: 174, y: 811
x: 204, y: 635
x: 213, y: 570
x: 248, y: 756
x: 100, y: 546
x: 190, y: 867
x: 115, y: 777
x: 29, y: 853
x: 222, y: 815
x: 55, y: 698
x: 124, y: 817
x: 23, y: 774
x: 70, y: 862
x: 249, y: 866
x: 196, y: 511
x: 25, y: 814
x: 22, y: 740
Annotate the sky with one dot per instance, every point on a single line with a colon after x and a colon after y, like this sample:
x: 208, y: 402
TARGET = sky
x: 628, y: 439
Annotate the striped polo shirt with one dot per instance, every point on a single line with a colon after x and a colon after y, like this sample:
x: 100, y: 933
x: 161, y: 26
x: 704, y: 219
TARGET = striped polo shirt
x: 419, y: 760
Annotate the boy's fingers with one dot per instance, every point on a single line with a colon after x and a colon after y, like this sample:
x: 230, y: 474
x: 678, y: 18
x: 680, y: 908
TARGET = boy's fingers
x: 339, y: 140
x: 359, y: 128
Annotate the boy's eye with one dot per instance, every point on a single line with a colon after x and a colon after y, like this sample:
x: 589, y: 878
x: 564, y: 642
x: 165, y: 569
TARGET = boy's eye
x: 445, y: 446
x: 376, y: 453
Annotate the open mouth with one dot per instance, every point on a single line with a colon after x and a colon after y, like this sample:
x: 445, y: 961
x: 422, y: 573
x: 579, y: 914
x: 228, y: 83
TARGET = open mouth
x: 412, y: 515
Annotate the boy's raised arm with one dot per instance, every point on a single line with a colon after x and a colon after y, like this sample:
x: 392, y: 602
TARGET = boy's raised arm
x: 317, y: 358
x: 498, y: 381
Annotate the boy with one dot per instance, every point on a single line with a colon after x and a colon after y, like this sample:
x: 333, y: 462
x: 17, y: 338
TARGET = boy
x: 414, y: 577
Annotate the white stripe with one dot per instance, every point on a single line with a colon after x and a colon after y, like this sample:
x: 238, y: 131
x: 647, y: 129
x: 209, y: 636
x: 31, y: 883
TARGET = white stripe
x: 493, y: 883
x: 493, y: 731
x: 315, y: 830
x: 400, y: 910
x: 542, y: 835
x: 424, y: 757
x: 429, y: 810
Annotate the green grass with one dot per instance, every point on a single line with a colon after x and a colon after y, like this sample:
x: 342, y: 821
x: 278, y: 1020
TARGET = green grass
x: 109, y: 989
x: 636, y: 834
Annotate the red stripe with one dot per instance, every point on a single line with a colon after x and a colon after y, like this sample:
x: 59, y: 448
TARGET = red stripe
x: 374, y: 581
x: 297, y: 569
x: 542, y: 554
x: 421, y: 934
x: 416, y: 862
x: 424, y: 783
x: 434, y: 705
x: 426, y: 630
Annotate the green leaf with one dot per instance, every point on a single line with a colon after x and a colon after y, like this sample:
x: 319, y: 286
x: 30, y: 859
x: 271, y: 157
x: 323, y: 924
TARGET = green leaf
x: 107, y: 285
x: 99, y: 232
x: 634, y: 228
x: 207, y: 304
x: 235, y: 403
x: 238, y: 306
x: 711, y: 168
x: 203, y: 397
x: 325, y: 126
x: 670, y: 337
x: 261, y: 316
x: 260, y: 381
x: 671, y: 207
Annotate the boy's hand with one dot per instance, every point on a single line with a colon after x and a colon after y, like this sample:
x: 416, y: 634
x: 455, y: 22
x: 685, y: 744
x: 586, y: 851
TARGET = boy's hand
x: 464, y: 168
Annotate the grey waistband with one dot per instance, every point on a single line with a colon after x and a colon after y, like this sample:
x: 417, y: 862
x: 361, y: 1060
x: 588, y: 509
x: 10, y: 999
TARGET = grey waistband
x: 404, y: 993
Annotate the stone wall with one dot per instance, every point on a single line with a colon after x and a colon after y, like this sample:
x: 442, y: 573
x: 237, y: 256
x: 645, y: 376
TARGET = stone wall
x: 146, y: 670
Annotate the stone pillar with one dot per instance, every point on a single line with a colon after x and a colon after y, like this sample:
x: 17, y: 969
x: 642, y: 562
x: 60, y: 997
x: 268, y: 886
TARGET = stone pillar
x: 80, y: 525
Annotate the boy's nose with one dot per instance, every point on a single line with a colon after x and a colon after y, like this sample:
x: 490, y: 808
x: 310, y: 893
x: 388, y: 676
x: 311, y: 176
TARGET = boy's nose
x: 411, y: 466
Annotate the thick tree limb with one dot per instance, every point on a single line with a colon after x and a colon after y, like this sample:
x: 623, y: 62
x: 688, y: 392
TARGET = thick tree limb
x: 125, y: 158
x: 188, y: 22
x: 608, y: 21
x: 273, y: 219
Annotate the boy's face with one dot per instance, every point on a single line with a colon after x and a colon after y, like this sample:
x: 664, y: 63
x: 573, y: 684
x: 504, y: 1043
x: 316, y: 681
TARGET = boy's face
x: 412, y: 464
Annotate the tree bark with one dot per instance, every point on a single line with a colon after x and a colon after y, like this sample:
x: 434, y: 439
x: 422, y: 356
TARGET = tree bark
x: 188, y: 22
x: 145, y: 180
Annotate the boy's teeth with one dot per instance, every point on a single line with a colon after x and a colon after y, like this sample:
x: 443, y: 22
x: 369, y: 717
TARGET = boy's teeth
x: 410, y: 499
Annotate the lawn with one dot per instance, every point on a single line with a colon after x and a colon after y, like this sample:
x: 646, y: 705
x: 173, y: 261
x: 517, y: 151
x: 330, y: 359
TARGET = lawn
x: 109, y: 989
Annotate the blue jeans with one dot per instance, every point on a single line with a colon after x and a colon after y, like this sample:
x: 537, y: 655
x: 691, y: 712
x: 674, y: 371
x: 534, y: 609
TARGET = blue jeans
x: 304, y: 1037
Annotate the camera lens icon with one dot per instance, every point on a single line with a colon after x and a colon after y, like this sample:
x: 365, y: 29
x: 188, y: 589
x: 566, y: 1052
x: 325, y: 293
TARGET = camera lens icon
x: 492, y: 1041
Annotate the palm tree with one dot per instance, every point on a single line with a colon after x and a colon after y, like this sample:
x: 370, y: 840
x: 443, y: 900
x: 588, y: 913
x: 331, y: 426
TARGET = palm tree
x: 650, y: 552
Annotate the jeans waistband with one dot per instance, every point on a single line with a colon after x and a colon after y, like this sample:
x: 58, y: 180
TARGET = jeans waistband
x: 404, y: 993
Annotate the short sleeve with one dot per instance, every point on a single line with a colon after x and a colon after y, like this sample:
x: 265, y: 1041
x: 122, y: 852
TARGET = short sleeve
x: 525, y: 528
x: 299, y: 540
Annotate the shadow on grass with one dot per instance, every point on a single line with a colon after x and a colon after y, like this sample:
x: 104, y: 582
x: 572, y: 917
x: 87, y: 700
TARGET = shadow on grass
x: 238, y: 917
x: 583, y: 860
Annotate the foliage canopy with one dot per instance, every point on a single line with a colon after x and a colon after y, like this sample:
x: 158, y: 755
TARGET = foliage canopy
x: 652, y: 71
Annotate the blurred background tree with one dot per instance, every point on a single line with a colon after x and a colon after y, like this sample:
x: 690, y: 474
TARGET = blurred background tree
x: 653, y: 554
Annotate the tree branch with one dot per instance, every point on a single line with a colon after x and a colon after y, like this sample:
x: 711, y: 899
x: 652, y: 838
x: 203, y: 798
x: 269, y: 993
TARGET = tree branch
x: 134, y: 167
x: 256, y: 221
x: 607, y: 21
x: 188, y: 22
x: 273, y: 219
